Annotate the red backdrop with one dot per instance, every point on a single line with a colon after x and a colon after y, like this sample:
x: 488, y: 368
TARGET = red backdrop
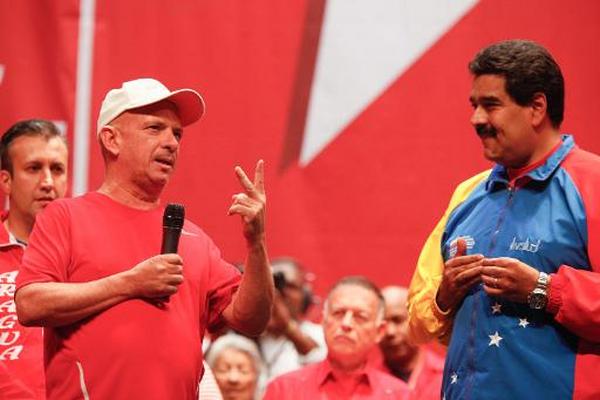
x: 366, y: 202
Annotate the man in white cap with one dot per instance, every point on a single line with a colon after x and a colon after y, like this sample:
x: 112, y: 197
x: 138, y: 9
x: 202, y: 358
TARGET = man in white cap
x: 122, y: 321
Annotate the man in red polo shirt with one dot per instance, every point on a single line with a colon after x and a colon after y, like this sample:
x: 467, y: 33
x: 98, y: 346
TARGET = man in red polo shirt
x: 421, y: 368
x: 353, y: 322
x: 121, y: 320
x: 33, y: 157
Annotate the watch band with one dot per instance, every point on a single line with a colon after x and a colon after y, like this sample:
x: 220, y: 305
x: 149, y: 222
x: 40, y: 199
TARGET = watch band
x: 543, y: 281
x: 538, y: 298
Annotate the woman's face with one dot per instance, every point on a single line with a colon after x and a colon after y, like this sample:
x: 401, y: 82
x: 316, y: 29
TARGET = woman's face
x: 236, y: 375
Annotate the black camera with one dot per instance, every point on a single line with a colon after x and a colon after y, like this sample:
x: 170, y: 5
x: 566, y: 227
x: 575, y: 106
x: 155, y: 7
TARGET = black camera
x: 280, y: 283
x: 279, y: 280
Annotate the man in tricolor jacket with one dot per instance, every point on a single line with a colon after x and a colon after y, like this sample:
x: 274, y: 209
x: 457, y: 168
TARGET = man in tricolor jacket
x: 509, y: 276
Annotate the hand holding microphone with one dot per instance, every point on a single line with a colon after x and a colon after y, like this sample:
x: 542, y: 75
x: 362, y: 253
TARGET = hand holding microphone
x: 158, y: 277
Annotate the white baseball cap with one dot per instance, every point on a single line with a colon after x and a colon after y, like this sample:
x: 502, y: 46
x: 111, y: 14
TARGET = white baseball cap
x: 146, y: 91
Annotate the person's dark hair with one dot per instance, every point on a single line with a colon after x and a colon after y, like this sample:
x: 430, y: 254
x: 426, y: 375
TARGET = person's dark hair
x: 528, y: 69
x: 30, y: 127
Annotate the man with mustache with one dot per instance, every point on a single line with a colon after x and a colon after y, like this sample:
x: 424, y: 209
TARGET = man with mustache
x: 353, y: 323
x: 509, y: 276
x: 34, y: 158
x: 123, y: 321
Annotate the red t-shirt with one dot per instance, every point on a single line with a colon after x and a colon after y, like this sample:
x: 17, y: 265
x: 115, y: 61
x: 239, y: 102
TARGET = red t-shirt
x: 318, y: 381
x: 21, y: 348
x: 425, y: 382
x: 133, y: 350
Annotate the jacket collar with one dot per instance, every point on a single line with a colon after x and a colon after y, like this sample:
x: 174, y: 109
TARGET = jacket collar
x: 499, y: 175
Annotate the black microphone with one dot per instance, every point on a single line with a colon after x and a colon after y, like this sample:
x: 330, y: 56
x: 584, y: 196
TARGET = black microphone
x: 173, y: 218
x: 172, y: 225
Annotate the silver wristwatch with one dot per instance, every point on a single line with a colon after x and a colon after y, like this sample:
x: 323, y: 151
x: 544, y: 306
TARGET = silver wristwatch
x: 538, y: 298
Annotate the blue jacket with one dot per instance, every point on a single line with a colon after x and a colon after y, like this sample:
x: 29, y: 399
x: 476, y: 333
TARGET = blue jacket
x: 549, y: 219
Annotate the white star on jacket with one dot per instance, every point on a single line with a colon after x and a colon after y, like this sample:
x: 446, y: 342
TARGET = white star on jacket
x: 495, y: 339
x: 453, y: 378
x: 497, y: 308
x: 523, y: 322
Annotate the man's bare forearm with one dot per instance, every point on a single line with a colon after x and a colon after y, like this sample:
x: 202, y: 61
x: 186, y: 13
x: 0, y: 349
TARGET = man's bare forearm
x: 303, y: 343
x: 57, y: 304
x: 250, y: 308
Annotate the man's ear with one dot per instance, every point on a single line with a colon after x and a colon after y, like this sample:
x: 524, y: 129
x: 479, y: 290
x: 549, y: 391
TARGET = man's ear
x: 539, y: 109
x: 5, y: 181
x: 110, y: 139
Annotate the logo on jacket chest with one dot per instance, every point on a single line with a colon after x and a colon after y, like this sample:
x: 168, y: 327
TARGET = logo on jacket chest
x: 469, y: 241
x: 529, y: 245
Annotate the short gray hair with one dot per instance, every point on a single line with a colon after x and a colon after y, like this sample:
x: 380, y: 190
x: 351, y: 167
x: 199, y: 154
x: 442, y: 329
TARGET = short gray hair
x: 364, y: 283
x: 245, y: 345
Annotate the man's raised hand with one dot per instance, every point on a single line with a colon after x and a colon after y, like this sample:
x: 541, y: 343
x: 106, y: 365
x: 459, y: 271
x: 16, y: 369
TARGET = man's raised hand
x: 251, y: 203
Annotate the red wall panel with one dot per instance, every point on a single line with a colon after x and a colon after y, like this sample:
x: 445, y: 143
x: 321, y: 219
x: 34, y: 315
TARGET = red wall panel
x: 366, y: 203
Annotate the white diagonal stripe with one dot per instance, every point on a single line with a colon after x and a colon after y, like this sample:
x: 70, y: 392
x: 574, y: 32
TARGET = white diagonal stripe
x: 364, y: 46
x: 82, y: 385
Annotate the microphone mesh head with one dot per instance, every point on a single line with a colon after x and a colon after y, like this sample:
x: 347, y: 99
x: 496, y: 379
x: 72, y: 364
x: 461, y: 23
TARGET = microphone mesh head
x: 174, y: 216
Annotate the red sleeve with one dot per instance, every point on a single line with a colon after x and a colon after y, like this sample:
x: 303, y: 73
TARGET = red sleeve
x: 224, y: 281
x: 575, y: 301
x: 46, y: 258
x: 574, y: 296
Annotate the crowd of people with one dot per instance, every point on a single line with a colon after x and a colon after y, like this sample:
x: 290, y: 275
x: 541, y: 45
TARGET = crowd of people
x: 359, y: 349
x: 508, y: 279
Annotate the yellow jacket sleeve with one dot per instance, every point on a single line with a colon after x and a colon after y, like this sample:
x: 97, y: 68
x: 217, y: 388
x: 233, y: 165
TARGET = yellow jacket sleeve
x: 425, y: 319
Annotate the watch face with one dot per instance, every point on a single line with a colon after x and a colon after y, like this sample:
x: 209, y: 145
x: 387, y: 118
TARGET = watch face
x: 538, y: 299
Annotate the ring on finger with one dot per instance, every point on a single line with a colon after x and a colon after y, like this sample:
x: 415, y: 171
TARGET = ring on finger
x: 496, y: 282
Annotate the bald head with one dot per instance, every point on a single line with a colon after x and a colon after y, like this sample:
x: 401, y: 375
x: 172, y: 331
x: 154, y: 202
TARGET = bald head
x: 398, y: 352
x: 395, y: 296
